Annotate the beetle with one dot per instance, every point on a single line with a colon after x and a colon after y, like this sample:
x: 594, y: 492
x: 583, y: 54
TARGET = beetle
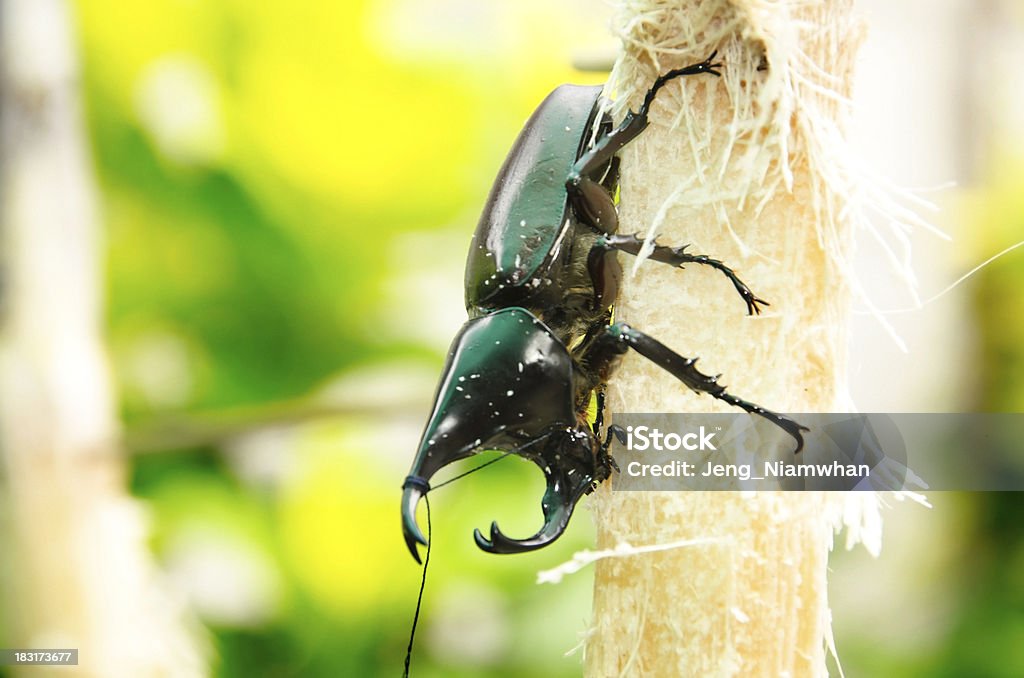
x: 541, y: 277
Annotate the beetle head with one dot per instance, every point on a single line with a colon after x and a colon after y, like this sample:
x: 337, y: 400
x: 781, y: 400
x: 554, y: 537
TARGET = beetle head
x: 508, y: 384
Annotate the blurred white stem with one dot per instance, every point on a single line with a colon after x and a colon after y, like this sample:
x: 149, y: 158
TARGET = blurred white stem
x: 78, y: 574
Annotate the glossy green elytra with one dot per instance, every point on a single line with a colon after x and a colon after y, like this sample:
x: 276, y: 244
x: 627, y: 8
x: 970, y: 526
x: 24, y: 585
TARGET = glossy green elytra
x: 526, y: 212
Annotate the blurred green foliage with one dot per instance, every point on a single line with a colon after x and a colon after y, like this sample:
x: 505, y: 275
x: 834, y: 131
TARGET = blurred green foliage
x: 987, y: 637
x: 258, y: 163
x: 288, y: 190
x: 999, y: 216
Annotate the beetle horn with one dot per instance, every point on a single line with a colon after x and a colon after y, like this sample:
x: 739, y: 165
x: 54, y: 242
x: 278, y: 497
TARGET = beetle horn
x: 565, y: 487
x: 412, y: 491
x: 555, y: 523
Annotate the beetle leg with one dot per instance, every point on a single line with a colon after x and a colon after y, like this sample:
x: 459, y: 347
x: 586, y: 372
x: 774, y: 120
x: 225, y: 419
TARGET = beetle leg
x: 604, y: 274
x: 605, y: 460
x: 597, y: 158
x: 674, y: 256
x: 599, y: 414
x: 592, y: 202
x: 620, y: 337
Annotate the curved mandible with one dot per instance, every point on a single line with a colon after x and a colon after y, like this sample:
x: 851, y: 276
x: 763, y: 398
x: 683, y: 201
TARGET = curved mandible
x: 554, y: 525
x: 565, y: 487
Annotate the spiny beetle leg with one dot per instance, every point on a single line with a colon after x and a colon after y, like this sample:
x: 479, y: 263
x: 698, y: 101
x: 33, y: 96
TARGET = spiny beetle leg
x: 594, y: 161
x: 618, y: 432
x: 603, y: 458
x: 709, y: 65
x: 635, y: 123
x: 599, y: 414
x: 621, y: 336
x: 673, y: 256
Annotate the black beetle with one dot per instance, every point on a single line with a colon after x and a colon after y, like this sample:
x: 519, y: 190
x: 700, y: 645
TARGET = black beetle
x: 539, y: 340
